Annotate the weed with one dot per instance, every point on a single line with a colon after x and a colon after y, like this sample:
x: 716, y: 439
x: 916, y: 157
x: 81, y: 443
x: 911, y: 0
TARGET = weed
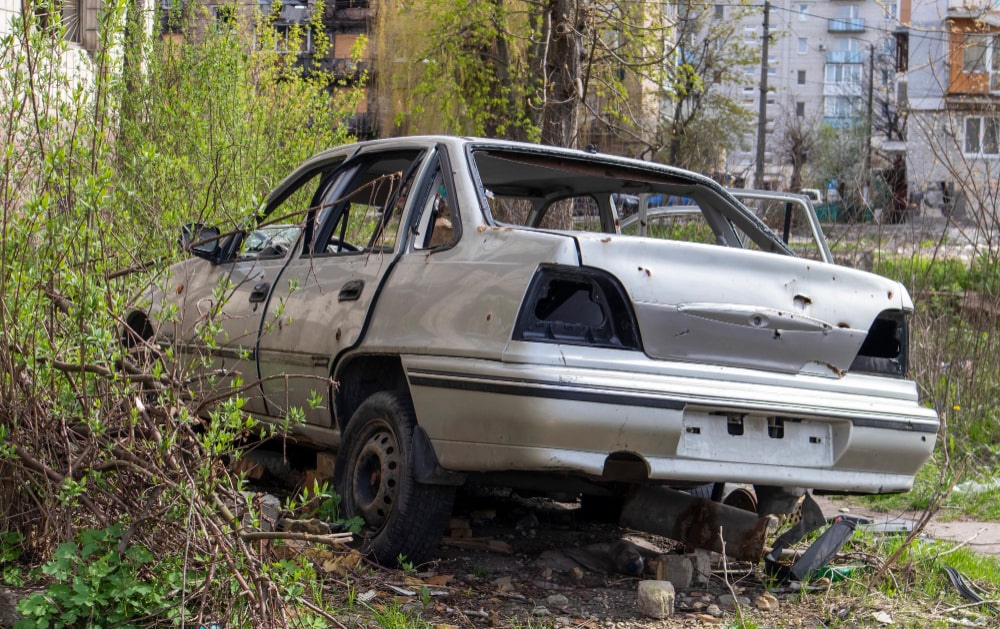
x: 481, y: 571
x: 94, y: 584
x: 392, y: 616
x: 405, y: 564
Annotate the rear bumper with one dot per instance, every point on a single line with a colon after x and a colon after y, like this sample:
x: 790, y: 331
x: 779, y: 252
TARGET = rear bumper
x: 561, y: 409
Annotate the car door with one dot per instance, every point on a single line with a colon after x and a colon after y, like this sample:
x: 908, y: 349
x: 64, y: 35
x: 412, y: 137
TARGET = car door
x: 321, y: 302
x: 222, y: 301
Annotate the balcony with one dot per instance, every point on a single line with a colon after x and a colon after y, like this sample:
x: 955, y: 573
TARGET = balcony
x: 845, y: 56
x: 970, y: 8
x: 847, y: 25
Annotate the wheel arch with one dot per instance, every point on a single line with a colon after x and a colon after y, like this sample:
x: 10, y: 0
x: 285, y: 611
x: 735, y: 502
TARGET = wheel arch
x: 358, y: 377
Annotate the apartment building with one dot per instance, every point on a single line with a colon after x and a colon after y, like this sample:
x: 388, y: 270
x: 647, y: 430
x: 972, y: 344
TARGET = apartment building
x: 951, y: 79
x: 820, y: 56
x: 80, y: 20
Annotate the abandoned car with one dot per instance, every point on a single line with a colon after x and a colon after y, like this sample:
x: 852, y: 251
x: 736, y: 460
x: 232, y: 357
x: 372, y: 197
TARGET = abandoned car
x: 444, y: 310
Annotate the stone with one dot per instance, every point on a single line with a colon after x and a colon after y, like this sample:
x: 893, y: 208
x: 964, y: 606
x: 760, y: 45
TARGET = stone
x: 540, y: 611
x: 557, y: 601
x: 766, y: 602
x: 728, y: 601
x: 701, y: 564
x: 714, y: 610
x: 504, y: 584
x: 656, y: 599
x: 676, y: 569
x: 577, y: 573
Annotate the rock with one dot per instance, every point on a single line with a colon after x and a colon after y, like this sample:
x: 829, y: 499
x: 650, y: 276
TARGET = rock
x: 656, y: 599
x: 577, y: 573
x: 540, y: 611
x: 311, y: 525
x: 676, y: 569
x: 557, y: 601
x: 714, y: 610
x: 727, y: 601
x: 701, y: 564
x: 8, y: 607
x: 766, y: 602
x: 504, y: 584
x: 882, y: 618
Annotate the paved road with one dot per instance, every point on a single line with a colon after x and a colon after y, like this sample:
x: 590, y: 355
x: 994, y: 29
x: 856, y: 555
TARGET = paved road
x: 982, y: 537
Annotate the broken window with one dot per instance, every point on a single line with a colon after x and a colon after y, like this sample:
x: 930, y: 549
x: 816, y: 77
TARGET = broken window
x: 365, y: 214
x: 438, y: 223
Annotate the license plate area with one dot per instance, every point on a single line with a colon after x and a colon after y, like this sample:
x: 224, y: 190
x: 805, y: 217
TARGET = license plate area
x: 746, y: 438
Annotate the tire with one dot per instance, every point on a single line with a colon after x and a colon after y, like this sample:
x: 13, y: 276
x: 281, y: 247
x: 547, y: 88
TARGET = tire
x: 375, y: 481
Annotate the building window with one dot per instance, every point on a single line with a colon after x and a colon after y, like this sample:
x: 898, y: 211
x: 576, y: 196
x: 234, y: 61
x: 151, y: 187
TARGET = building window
x: 844, y: 73
x: 802, y: 77
x: 982, y: 135
x: 891, y: 9
x: 803, y: 45
x: 720, y: 11
x: 981, y: 54
x: 750, y: 34
x: 800, y: 109
x: 803, y: 12
x: 838, y: 107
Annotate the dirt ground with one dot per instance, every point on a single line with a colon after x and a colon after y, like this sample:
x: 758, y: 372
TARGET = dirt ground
x: 525, y: 580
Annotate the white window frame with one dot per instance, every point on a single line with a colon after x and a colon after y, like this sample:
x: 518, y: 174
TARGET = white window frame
x: 803, y: 12
x: 988, y: 61
x: 980, y: 138
x: 803, y: 45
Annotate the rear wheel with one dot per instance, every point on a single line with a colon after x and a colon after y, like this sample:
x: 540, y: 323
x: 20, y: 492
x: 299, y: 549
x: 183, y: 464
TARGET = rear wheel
x: 376, y: 482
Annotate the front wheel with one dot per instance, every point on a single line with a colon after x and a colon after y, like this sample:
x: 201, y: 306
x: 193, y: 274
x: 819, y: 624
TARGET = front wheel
x: 376, y: 482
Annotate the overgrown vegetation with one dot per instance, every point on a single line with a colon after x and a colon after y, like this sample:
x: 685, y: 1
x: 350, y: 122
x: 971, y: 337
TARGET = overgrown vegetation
x: 113, y: 493
x: 109, y: 484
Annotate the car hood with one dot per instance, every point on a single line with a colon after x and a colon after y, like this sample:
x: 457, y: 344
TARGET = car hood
x: 744, y: 308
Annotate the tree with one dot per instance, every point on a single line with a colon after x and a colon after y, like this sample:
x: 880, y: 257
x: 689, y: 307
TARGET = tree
x: 797, y: 139
x: 566, y: 72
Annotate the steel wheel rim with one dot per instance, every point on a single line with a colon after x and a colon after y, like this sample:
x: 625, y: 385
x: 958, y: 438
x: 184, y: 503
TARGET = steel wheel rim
x: 376, y: 477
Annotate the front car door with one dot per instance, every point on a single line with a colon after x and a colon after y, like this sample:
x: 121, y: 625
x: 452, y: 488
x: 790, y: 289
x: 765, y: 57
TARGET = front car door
x: 320, y: 305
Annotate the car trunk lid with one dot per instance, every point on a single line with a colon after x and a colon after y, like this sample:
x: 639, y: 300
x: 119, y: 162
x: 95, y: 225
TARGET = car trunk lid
x: 744, y: 308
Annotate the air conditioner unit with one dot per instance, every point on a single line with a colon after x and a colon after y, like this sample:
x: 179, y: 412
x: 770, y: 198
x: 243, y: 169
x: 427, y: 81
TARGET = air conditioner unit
x: 821, y: 47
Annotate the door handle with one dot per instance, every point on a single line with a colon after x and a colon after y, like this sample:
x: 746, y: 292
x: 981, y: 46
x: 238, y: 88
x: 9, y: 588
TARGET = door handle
x: 351, y: 291
x: 259, y: 292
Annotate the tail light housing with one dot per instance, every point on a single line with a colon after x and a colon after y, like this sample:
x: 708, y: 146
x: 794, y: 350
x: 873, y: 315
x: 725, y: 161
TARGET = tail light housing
x: 577, y: 306
x: 885, y: 351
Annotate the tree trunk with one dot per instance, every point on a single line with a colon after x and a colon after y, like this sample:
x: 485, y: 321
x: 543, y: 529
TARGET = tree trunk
x: 559, y: 58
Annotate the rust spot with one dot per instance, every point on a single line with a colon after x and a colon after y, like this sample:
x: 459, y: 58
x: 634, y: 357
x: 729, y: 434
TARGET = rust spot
x: 489, y: 315
x: 838, y: 372
x: 777, y: 334
x: 481, y: 228
x: 338, y: 334
x: 606, y: 239
x: 180, y: 289
x: 843, y: 326
x: 890, y: 295
x: 802, y: 301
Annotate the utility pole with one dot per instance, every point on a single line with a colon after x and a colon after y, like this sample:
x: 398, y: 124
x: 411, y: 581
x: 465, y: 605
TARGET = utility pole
x: 758, y: 178
x: 868, y: 127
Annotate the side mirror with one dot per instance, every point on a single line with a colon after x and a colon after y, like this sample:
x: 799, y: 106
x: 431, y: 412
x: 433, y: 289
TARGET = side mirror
x: 200, y: 240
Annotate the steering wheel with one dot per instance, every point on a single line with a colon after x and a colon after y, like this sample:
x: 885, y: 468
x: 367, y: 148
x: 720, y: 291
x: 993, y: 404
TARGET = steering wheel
x: 336, y: 245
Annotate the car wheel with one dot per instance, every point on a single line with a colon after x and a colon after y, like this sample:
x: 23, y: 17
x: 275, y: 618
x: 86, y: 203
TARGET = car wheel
x: 376, y: 482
